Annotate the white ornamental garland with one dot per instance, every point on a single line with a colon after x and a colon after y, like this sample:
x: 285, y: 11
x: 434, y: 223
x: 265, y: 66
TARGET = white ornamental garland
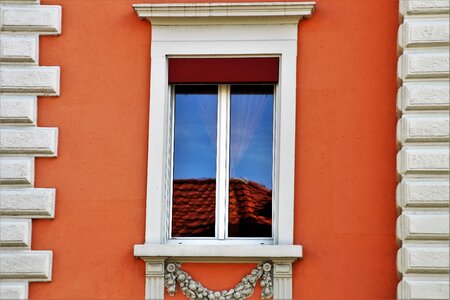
x: 194, y: 290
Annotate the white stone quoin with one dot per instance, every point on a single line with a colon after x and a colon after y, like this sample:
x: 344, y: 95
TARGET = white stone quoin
x: 423, y: 193
x: 17, y: 290
x: 42, y: 81
x: 31, y: 265
x: 28, y: 203
x: 18, y: 110
x: 21, y: 81
x: 19, y: 49
x: 29, y: 141
x: 16, y: 171
x: 15, y: 233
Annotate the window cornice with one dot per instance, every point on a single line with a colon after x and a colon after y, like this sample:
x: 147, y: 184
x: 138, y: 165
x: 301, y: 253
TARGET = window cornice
x: 225, y: 13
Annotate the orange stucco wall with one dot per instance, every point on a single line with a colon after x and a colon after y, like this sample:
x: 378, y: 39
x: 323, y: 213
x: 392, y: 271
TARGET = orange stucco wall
x: 345, y: 160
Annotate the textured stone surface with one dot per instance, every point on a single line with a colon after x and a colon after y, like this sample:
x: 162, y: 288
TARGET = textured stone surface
x: 424, y: 288
x: 412, y: 7
x: 29, y: 141
x: 282, y: 281
x: 424, y: 128
x: 42, y: 19
x: 19, y: 49
x: 424, y: 65
x: 30, y: 265
x: 18, y: 110
x: 423, y: 96
x: 419, y: 160
x: 30, y: 80
x: 423, y: 193
x: 424, y: 32
x: 15, y: 233
x: 15, y: 290
x: 423, y: 259
x: 27, y: 203
x: 21, y: 81
x: 16, y: 171
x: 416, y: 226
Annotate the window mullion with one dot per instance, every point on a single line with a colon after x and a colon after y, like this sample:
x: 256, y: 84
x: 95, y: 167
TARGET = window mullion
x: 222, y: 160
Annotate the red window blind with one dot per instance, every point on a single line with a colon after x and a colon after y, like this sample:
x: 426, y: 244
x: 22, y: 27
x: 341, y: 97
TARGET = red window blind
x: 223, y: 70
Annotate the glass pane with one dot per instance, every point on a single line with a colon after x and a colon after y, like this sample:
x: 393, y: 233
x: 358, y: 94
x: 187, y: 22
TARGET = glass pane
x: 194, y: 166
x: 251, y: 139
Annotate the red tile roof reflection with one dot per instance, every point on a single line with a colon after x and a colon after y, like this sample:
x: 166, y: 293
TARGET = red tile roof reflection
x: 193, y: 211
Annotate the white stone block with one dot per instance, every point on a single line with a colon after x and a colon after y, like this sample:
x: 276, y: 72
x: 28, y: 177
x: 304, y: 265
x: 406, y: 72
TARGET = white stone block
x: 42, y: 81
x: 19, y: 49
x: 430, y: 226
x: 424, y: 32
x: 28, y: 203
x: 423, y: 193
x: 430, y: 288
x: 29, y: 141
x: 15, y: 233
x: 18, y: 110
x: 42, y: 19
x: 30, y: 265
x: 17, y: 290
x: 423, y: 160
x: 424, y: 65
x: 17, y: 171
x: 414, y: 7
x: 423, y: 128
x: 427, y: 258
x: 420, y: 96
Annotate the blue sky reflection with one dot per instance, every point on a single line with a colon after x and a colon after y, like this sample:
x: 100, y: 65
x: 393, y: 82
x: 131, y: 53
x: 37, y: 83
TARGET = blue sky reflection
x: 195, y: 132
x: 251, y: 139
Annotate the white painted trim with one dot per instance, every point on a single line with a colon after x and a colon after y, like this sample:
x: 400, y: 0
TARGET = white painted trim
x: 287, y: 49
x: 216, y: 253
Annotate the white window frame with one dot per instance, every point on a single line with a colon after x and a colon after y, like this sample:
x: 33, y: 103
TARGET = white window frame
x: 221, y: 30
x: 222, y: 171
x: 268, y: 40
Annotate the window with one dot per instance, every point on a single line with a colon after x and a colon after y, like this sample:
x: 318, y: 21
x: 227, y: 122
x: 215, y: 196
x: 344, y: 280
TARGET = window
x: 196, y: 136
x: 222, y: 162
x: 221, y: 150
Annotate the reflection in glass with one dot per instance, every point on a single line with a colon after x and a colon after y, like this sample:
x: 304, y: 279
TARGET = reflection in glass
x: 251, y: 139
x: 194, y: 172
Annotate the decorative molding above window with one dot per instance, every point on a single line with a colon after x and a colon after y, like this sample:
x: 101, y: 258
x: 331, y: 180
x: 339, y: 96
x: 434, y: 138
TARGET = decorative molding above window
x: 210, y: 33
x: 225, y: 13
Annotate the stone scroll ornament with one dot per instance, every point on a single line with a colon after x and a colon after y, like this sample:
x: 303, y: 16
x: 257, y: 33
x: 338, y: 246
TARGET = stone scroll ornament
x: 194, y: 290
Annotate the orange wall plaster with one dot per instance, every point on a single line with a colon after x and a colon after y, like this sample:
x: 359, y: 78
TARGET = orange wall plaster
x: 345, y: 160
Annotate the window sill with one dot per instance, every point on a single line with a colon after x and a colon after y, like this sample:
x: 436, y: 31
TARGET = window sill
x: 219, y: 253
